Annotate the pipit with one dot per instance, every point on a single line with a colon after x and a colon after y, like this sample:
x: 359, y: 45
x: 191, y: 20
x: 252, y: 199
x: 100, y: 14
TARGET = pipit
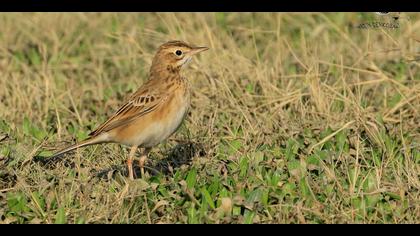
x: 154, y: 112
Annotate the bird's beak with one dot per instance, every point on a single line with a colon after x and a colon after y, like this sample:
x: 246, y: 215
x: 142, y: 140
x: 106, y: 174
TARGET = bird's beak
x: 198, y: 50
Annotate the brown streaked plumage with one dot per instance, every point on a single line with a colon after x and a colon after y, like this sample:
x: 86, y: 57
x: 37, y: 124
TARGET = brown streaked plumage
x: 154, y: 111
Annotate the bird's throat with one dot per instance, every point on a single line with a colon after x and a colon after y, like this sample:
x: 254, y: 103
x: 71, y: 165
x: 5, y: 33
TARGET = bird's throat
x: 164, y: 71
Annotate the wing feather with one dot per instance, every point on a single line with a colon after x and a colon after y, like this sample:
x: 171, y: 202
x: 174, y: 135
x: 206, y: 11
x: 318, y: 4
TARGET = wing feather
x: 142, y: 102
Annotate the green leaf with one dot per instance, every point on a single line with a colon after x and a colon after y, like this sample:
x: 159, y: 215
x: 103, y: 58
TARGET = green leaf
x: 191, y: 178
x: 192, y: 215
x: 214, y: 186
x: 372, y: 200
x: 243, y: 166
x: 358, y: 203
x: 81, y: 220
x: 37, y: 133
x: 352, y: 177
x: 248, y: 216
x: 264, y: 197
x: 370, y: 183
x: 277, y: 151
x: 254, y: 196
x: 4, y: 126
x: 393, y: 196
x: 26, y: 126
x: 312, y: 162
x: 394, y: 100
x: 5, y: 151
x: 82, y: 135
x: 291, y: 149
x: 60, y: 217
x: 34, y: 56
x: 17, y: 203
x: 293, y: 165
x: 249, y: 88
x: 208, y: 198
x: 341, y: 139
x: 289, y: 188
x: 376, y: 158
x: 236, y: 211
x: 71, y: 128
x: 45, y: 153
x: 258, y: 157
x: 234, y: 146
x: 304, y: 188
x: 39, y: 201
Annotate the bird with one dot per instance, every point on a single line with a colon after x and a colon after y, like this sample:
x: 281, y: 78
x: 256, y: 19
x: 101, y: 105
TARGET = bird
x: 154, y: 112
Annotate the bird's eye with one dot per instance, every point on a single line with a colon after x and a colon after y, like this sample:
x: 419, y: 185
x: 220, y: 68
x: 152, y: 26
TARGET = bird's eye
x: 178, y: 52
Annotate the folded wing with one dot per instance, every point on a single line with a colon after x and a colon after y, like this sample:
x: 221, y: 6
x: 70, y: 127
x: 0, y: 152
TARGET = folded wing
x: 142, y: 102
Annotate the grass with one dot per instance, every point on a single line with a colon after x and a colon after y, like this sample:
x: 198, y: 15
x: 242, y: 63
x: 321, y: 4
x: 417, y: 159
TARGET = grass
x: 295, y: 118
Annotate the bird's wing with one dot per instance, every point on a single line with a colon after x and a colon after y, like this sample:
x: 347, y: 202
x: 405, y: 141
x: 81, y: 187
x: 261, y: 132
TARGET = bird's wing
x: 145, y: 100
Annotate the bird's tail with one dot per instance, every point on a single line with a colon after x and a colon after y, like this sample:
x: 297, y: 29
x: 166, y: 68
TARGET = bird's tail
x: 86, y: 142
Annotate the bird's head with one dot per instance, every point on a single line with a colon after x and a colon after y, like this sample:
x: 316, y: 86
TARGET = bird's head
x: 174, y: 55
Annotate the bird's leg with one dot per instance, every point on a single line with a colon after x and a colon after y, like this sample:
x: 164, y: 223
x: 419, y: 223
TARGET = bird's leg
x: 143, y: 159
x: 130, y: 162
